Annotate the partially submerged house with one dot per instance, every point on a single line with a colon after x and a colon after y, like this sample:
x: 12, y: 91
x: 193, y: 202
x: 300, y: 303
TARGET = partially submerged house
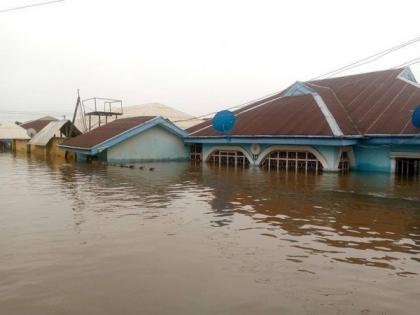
x: 362, y: 122
x: 35, y: 126
x: 46, y: 142
x: 32, y: 127
x: 128, y: 140
x: 11, y: 136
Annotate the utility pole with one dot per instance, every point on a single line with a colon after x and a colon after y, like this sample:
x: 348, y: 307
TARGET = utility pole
x: 75, y: 113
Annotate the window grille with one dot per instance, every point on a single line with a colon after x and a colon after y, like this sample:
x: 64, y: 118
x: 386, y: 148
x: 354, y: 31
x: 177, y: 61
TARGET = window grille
x: 228, y: 157
x: 292, y: 160
x: 196, y: 151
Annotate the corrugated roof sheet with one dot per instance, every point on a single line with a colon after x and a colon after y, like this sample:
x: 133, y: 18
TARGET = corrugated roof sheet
x: 53, y: 129
x: 106, y: 132
x: 365, y: 104
x: 38, y: 124
x: 377, y: 102
x: 11, y: 131
x: 289, y: 115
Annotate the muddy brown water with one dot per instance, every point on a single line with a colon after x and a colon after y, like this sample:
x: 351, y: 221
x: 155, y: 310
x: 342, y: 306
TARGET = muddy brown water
x: 185, y: 239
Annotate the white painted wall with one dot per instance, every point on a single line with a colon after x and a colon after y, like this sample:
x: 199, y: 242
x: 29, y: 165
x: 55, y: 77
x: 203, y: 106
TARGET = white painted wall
x: 154, y: 144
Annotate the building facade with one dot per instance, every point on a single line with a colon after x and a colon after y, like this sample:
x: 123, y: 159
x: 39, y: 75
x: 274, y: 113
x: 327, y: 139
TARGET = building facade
x: 131, y: 140
x: 359, y: 122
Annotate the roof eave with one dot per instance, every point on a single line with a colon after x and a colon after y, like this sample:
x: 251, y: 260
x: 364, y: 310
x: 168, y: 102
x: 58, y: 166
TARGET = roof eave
x: 159, y: 120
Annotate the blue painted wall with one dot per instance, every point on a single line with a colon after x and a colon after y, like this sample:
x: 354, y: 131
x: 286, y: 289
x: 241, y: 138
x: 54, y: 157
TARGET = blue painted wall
x: 377, y: 158
x: 154, y: 144
x: 372, y: 158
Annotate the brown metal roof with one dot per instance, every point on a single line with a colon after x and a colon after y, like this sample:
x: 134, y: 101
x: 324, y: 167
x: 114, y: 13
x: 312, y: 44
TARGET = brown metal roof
x: 364, y: 104
x: 38, y: 124
x: 287, y: 115
x: 377, y: 102
x: 106, y: 132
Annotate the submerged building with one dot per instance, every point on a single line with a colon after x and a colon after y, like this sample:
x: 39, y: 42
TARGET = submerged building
x: 32, y: 128
x: 46, y: 142
x: 130, y: 140
x: 360, y: 122
x: 11, y: 135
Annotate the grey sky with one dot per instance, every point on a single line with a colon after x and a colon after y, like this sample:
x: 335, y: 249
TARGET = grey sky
x: 197, y: 56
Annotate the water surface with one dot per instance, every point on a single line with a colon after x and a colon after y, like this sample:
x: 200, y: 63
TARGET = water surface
x: 188, y: 239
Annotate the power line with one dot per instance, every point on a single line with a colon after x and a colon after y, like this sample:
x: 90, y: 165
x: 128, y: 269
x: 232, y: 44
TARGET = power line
x: 368, y: 59
x: 30, y: 6
x: 408, y: 63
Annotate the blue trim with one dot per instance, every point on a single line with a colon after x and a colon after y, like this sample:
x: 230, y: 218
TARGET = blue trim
x: 298, y: 88
x: 128, y: 134
x: 274, y: 140
x: 413, y: 140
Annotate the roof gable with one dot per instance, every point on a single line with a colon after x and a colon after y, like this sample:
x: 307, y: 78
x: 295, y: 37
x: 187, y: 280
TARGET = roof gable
x: 57, y: 128
x: 298, y: 88
x: 117, y: 131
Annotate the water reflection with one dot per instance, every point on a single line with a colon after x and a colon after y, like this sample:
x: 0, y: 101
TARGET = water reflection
x: 256, y: 219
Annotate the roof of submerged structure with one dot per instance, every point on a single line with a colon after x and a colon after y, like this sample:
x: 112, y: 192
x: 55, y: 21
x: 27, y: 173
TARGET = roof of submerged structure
x: 118, y: 131
x: 38, y: 124
x: 11, y: 131
x: 375, y: 103
x: 59, y: 128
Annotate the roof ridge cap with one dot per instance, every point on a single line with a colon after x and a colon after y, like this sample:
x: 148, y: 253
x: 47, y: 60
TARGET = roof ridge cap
x: 341, y: 105
x: 329, y: 117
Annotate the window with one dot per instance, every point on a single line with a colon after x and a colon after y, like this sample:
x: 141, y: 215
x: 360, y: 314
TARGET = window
x: 196, y: 152
x: 292, y: 160
x: 344, y: 163
x: 228, y: 157
x: 407, y: 167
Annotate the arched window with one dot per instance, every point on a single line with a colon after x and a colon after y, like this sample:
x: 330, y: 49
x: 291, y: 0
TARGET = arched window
x: 292, y: 160
x: 228, y: 157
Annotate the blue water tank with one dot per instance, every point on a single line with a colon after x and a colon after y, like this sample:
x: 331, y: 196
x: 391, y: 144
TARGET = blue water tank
x: 415, y: 118
x: 224, y: 121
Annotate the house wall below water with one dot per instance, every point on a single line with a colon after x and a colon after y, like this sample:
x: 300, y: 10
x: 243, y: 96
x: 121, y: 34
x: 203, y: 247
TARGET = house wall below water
x: 380, y: 158
x: 20, y: 146
x: 154, y: 144
x: 6, y: 145
x: 328, y: 155
x: 52, y: 150
x: 375, y: 158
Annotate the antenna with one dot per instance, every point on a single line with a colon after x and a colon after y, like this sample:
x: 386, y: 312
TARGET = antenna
x: 75, y: 113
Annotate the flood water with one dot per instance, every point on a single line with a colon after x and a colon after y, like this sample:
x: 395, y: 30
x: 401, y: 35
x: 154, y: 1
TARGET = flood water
x: 185, y: 239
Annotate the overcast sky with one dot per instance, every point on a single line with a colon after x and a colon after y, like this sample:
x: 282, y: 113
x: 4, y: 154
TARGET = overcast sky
x: 197, y: 56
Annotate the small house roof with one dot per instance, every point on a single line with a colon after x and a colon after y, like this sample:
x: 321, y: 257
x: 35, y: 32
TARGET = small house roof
x: 11, y: 131
x: 53, y: 129
x: 117, y: 131
x: 38, y: 124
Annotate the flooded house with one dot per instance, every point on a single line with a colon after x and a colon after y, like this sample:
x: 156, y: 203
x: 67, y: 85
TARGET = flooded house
x: 360, y: 122
x: 46, y: 142
x: 12, y: 136
x: 130, y: 140
x: 32, y: 127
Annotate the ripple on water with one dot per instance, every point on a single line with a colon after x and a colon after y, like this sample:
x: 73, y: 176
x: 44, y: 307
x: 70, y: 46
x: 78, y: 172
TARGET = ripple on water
x: 220, y: 224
